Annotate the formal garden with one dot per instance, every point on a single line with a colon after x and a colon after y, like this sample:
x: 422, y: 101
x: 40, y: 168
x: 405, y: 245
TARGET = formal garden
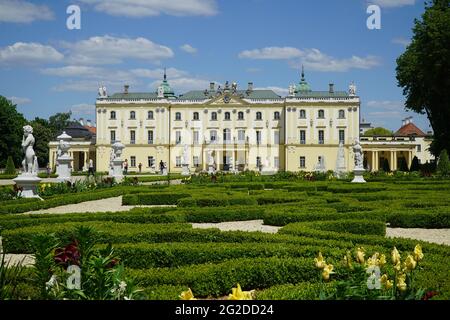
x: 312, y: 237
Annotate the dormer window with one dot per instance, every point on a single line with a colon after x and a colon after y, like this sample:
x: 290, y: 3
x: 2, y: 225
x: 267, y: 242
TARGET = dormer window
x: 132, y: 115
x: 113, y: 115
x: 321, y: 114
x: 178, y: 116
x: 258, y: 116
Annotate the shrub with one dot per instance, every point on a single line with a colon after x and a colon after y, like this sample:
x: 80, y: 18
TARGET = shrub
x: 443, y: 167
x: 160, y: 198
x: 10, y: 167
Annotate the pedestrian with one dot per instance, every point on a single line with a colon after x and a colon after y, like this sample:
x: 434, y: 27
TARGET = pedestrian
x: 161, y: 166
x: 49, y: 170
x: 140, y: 167
x: 125, y: 166
x: 91, y: 168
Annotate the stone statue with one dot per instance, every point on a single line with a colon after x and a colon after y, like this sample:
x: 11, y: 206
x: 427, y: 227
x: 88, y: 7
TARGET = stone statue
x: 352, y: 89
x: 102, y: 92
x: 340, y: 162
x: 29, y: 163
x: 210, y: 158
x: 357, y: 150
x: 185, y: 155
x: 291, y: 90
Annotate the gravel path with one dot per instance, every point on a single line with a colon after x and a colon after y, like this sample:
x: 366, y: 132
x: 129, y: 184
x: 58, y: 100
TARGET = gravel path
x: 250, y: 226
x: 103, y: 205
x: 439, y: 236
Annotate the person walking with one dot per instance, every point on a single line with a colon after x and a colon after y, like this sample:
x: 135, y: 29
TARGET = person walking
x: 140, y: 167
x: 125, y: 166
x: 91, y: 168
x: 161, y: 167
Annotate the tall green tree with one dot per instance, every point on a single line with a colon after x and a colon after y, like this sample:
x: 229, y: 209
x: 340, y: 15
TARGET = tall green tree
x: 378, y: 132
x: 43, y: 134
x: 443, y: 167
x: 11, y: 132
x: 59, y: 121
x: 423, y: 71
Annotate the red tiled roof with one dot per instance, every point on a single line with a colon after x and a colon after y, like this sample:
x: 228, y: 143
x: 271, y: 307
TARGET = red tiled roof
x: 91, y: 129
x: 410, y: 129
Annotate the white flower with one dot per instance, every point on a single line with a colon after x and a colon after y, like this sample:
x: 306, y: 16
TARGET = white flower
x: 51, y: 282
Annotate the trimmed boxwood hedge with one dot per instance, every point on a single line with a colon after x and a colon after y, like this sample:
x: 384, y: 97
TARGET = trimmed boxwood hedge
x: 160, y: 198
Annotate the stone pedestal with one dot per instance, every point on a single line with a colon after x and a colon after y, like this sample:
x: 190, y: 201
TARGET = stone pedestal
x: 64, y: 170
x: 359, y: 175
x: 185, y: 171
x: 28, y: 183
x: 117, y: 171
x: 164, y: 172
x: 268, y: 171
x: 211, y: 169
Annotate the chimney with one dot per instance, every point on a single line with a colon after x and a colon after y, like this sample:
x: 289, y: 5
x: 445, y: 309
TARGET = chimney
x: 125, y: 88
x: 81, y: 121
x: 212, y: 86
x: 331, y: 88
x: 89, y: 123
x: 250, y: 86
x: 403, y: 122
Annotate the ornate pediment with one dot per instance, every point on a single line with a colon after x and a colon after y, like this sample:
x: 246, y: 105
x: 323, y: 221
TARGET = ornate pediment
x: 227, y: 99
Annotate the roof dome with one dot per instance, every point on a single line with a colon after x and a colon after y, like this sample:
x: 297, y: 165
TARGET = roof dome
x: 303, y: 86
x: 166, y: 88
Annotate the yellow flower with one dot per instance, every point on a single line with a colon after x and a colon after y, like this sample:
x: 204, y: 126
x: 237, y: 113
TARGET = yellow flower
x: 401, y: 284
x: 398, y: 266
x: 382, y: 261
x: 238, y: 294
x: 187, y: 295
x: 410, y: 263
x: 327, y: 271
x: 418, y: 255
x: 348, y: 260
x: 386, y: 282
x: 373, y: 260
x: 360, y: 255
x: 395, y: 256
x: 320, y: 261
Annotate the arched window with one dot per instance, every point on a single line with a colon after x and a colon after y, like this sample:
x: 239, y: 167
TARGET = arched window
x: 196, y: 116
x: 214, y: 116
x: 178, y: 116
x: 113, y: 115
x: 258, y: 116
x: 276, y: 115
x: 302, y: 114
x: 321, y: 114
x: 227, y: 116
x: 341, y: 114
x: 132, y: 115
x: 150, y: 115
x: 240, y: 115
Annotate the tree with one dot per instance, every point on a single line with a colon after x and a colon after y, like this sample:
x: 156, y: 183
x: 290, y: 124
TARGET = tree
x: 11, y: 132
x: 443, y: 167
x: 378, y: 132
x: 385, y: 166
x: 423, y: 71
x: 10, y: 167
x: 43, y: 134
x: 415, y: 165
x: 59, y: 122
x: 403, y: 166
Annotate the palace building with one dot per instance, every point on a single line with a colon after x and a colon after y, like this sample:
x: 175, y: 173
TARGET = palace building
x: 233, y: 127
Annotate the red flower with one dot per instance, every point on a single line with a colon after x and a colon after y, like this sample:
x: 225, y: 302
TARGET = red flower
x: 68, y: 255
x: 429, y: 295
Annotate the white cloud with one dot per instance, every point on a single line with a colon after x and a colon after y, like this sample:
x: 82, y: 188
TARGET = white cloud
x: 29, y: 54
x: 402, y: 41
x: 184, y: 84
x: 111, y: 50
x: 386, y: 104
x: 149, y: 8
x: 83, y: 109
x: 158, y: 73
x: 279, y: 91
x: 312, y: 59
x: 271, y: 53
x: 19, y: 101
x: 189, y: 49
x: 392, y: 3
x: 18, y: 11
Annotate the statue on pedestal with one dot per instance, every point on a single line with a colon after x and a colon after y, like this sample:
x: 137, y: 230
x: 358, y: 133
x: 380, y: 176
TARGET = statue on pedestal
x: 359, y: 163
x: 29, y: 163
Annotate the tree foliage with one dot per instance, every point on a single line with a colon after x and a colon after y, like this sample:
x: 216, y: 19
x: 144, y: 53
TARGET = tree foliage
x: 443, y: 167
x: 43, y: 134
x: 378, y: 132
x: 10, y: 167
x: 11, y: 132
x: 415, y: 165
x: 423, y: 71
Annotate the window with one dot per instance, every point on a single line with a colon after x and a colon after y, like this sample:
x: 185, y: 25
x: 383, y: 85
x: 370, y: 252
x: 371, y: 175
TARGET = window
x: 132, y: 115
x: 240, y: 115
x: 196, y: 116
x: 113, y: 115
x: 258, y: 137
x: 133, y: 161
x: 178, y: 162
x: 132, y: 137
x: 341, y: 136
x: 151, y: 162
x: 213, y: 116
x: 341, y: 114
x: 196, y: 137
x: 241, y: 135
x: 302, y: 162
x: 276, y: 161
x: 258, y: 162
x: 276, y: 115
x: 302, y: 137
x: 150, y: 115
x: 321, y: 114
x: 150, y: 136
x: 195, y: 161
x: 302, y: 114
x: 227, y: 116
x: 113, y: 136
x: 226, y: 135
x: 321, y: 137
x: 178, y: 137
x: 276, y: 137
x: 178, y: 116
x: 213, y: 135
x: 419, y: 148
x: 258, y: 116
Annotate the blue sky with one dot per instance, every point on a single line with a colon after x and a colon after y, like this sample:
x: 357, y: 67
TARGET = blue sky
x: 47, y: 68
